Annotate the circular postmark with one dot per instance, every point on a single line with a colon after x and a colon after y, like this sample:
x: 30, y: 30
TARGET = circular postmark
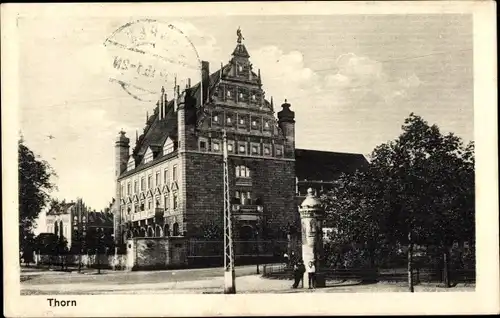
x: 147, y: 55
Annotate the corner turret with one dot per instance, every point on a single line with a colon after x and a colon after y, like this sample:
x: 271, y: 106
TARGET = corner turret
x: 286, y: 121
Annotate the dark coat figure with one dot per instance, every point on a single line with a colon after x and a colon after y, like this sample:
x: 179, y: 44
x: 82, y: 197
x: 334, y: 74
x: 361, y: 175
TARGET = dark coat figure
x: 298, y: 274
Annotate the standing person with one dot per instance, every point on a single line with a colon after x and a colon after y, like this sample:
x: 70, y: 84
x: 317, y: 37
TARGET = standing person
x: 298, y: 274
x: 311, y: 271
x: 302, y: 270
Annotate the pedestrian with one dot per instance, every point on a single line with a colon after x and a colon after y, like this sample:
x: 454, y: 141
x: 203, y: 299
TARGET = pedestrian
x: 311, y: 273
x: 298, y: 274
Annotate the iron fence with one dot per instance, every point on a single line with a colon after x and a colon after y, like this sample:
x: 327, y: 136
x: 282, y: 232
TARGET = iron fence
x: 426, y: 275
x: 197, y: 248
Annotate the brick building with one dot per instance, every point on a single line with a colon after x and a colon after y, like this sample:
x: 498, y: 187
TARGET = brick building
x: 79, y: 224
x: 171, y: 182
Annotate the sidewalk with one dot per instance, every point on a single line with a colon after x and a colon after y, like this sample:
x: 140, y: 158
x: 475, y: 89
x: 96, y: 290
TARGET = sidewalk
x: 244, y: 284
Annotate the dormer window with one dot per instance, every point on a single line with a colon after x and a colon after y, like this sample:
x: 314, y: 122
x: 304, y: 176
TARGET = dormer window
x: 216, y: 146
x: 131, y: 164
x: 168, y: 147
x: 230, y: 147
x: 241, y: 96
x: 255, y: 150
x: 148, y: 157
x: 242, y: 121
x: 253, y: 97
x: 254, y: 123
x: 228, y: 120
x: 266, y: 125
x: 240, y: 68
x: 267, y: 152
x: 228, y: 93
x: 216, y: 118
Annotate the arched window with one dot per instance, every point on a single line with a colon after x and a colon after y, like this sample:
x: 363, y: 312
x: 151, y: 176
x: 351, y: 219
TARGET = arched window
x: 166, y: 230
x: 175, y: 229
x: 158, y: 231
x: 150, y: 232
x: 242, y: 172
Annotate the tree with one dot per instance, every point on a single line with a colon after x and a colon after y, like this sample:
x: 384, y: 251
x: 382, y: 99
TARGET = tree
x: 34, y: 187
x: 431, y: 178
x: 418, y: 189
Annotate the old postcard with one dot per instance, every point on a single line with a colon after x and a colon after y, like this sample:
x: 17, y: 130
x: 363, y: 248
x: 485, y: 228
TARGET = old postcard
x: 256, y: 158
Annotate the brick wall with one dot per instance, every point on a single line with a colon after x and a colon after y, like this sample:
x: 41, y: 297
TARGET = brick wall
x: 272, y: 180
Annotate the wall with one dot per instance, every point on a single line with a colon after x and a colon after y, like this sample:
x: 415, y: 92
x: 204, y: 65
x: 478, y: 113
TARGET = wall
x: 156, y: 253
x: 272, y: 180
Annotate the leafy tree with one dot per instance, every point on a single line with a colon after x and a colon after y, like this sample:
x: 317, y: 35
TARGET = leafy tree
x: 34, y: 187
x: 418, y: 189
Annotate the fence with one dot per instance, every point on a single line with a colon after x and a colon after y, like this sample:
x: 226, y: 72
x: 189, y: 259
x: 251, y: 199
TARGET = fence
x: 241, y: 248
x: 284, y: 271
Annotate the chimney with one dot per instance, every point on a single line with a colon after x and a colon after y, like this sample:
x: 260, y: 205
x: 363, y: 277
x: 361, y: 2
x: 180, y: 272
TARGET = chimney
x: 161, y: 104
x: 189, y: 83
x: 205, y: 74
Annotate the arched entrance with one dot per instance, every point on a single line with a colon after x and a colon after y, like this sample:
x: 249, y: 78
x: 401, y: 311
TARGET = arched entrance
x: 166, y: 230
x: 150, y: 232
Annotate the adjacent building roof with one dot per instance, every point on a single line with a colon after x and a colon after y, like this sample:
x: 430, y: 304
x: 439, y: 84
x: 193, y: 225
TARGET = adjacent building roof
x: 325, y: 165
x: 101, y: 219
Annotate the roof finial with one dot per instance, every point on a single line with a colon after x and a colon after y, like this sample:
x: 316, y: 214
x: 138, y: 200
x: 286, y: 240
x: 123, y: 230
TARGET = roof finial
x: 238, y: 34
x: 271, y: 101
x: 162, y: 90
x: 136, y: 136
x: 286, y: 101
x: 147, y: 116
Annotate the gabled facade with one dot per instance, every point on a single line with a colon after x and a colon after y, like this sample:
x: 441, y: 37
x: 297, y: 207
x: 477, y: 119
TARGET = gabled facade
x: 172, y: 181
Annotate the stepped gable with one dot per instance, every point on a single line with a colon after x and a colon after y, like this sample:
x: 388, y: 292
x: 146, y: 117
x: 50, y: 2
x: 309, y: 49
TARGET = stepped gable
x: 325, y: 165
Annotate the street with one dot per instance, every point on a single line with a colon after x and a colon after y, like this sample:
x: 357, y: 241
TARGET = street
x: 198, y: 281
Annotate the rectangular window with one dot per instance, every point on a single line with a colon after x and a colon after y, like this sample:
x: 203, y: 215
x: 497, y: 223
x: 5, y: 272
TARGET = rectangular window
x: 150, y: 204
x: 241, y: 148
x: 229, y: 147
x: 142, y: 184
x: 150, y: 181
x: 174, y: 173
x: 203, y: 145
x: 267, y: 152
x: 175, y: 201
x: 166, y: 204
x: 158, y: 180
x: 123, y: 190
x: 128, y: 188
x: 279, y: 151
x: 136, y: 186
x: 255, y: 150
x: 216, y: 146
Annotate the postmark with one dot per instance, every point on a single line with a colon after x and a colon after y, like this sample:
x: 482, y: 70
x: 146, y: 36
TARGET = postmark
x: 146, y: 55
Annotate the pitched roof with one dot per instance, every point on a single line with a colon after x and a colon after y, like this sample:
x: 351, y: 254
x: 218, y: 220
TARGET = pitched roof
x: 325, y: 165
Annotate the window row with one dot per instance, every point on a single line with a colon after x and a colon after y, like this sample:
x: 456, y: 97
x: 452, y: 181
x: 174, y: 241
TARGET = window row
x: 240, y: 147
x: 127, y: 189
x: 167, y: 202
x: 241, y: 121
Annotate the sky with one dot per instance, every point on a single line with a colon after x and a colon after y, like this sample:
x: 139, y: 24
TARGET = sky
x: 351, y: 80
